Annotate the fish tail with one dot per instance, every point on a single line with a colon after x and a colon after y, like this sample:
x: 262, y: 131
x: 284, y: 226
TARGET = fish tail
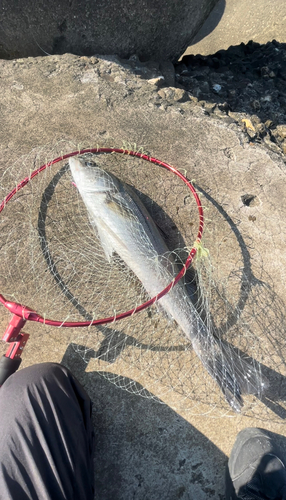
x: 236, y: 374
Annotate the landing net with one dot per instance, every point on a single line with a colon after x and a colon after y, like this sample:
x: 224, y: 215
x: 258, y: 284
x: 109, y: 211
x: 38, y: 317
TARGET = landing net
x: 52, y: 261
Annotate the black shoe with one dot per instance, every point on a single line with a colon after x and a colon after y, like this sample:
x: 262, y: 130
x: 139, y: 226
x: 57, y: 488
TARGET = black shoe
x: 256, y: 468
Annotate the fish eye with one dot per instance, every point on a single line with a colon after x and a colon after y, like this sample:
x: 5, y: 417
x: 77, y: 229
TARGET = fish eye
x: 89, y: 164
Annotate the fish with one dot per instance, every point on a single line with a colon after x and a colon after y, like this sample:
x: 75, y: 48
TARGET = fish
x: 125, y: 227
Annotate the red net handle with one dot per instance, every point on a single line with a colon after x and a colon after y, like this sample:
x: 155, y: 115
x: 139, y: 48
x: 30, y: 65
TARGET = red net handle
x: 28, y: 314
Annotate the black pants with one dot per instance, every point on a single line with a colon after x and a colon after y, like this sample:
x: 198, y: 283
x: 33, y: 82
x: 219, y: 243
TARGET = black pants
x: 46, y: 436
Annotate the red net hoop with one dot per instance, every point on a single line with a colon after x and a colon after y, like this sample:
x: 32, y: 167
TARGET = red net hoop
x: 26, y: 313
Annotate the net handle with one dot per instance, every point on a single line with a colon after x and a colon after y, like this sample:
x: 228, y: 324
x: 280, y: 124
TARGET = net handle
x: 28, y: 314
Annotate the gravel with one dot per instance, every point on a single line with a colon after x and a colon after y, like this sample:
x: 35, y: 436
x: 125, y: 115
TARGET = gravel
x: 245, y: 84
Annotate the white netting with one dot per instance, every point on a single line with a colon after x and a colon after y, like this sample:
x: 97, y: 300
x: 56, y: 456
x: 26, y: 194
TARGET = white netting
x: 53, y: 262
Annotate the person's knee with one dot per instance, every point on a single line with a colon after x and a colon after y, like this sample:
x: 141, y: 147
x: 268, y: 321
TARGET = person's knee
x: 35, y: 375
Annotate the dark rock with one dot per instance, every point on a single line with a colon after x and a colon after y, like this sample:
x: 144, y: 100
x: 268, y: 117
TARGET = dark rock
x: 256, y: 105
x: 209, y: 107
x: 249, y: 78
x: 168, y: 71
x: 204, y: 87
x: 224, y: 107
x: 181, y: 68
x: 249, y: 200
x: 200, y: 77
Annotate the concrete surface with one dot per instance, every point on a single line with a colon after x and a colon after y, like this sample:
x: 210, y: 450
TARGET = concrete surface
x: 145, y: 450
x: 152, y: 30
x: 52, y: 105
x: 234, y: 21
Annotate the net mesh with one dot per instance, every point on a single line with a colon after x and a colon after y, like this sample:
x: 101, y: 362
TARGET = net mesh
x: 52, y: 261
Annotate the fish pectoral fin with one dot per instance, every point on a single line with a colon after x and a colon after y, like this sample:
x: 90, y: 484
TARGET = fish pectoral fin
x: 105, y: 242
x: 109, y: 239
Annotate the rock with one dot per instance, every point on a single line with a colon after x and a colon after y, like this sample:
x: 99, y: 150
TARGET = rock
x: 204, y: 87
x: 261, y: 129
x: 249, y: 78
x: 251, y: 133
x: 283, y: 147
x: 248, y: 124
x: 220, y: 113
x: 269, y: 124
x: 256, y: 105
x: 281, y: 129
x: 271, y: 145
x: 168, y: 71
x: 209, y: 107
x: 216, y: 88
x: 158, y: 30
x: 181, y: 95
x: 157, y: 81
x: 174, y: 94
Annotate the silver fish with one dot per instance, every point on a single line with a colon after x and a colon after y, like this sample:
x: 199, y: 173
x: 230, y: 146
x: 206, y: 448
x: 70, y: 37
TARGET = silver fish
x: 125, y: 227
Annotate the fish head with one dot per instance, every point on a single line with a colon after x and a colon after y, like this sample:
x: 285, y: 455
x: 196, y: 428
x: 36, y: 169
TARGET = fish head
x: 88, y: 176
x: 101, y: 190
